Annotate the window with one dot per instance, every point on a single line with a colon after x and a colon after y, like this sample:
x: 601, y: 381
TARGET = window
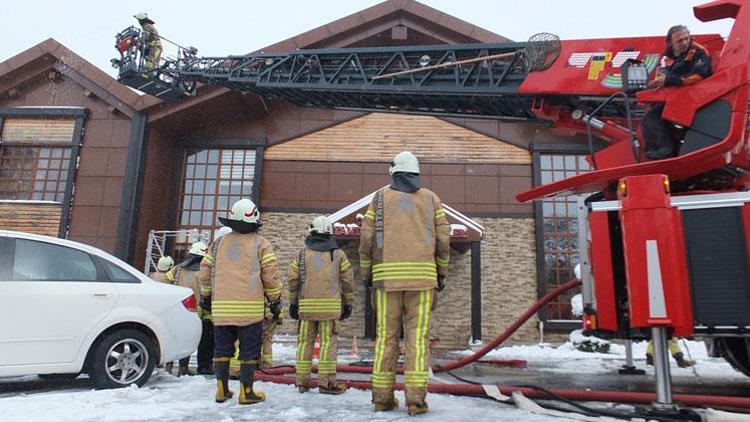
x: 40, y: 261
x: 118, y: 274
x: 34, y: 172
x: 559, y: 231
x: 35, y: 156
x: 212, y: 180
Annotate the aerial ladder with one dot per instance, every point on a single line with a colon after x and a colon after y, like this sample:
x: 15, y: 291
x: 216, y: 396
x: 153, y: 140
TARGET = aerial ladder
x: 664, y: 244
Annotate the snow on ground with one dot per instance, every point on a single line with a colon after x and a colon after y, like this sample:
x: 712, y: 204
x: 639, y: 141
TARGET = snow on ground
x: 566, y: 358
x: 167, y: 398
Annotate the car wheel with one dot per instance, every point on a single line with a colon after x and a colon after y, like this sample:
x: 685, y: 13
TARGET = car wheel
x: 59, y: 376
x: 122, y: 358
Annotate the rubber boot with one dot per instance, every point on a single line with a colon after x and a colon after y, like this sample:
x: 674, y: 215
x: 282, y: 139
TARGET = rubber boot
x: 223, y: 393
x: 168, y: 367
x: 386, y: 406
x: 417, y: 408
x: 247, y: 377
x: 335, y: 389
x: 185, y: 368
x: 683, y: 362
x: 650, y: 359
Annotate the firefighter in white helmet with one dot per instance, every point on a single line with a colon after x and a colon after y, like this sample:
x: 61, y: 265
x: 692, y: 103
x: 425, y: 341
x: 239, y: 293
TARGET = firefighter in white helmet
x: 320, y: 293
x: 404, y: 252
x: 185, y: 274
x: 163, y: 266
x: 151, y: 40
x: 238, y: 274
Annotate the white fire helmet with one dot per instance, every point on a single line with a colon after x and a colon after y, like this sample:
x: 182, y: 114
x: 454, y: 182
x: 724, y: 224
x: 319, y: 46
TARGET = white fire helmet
x: 165, y: 263
x: 142, y: 16
x: 199, y: 248
x: 404, y: 162
x: 321, y: 224
x: 244, y: 210
x: 222, y: 231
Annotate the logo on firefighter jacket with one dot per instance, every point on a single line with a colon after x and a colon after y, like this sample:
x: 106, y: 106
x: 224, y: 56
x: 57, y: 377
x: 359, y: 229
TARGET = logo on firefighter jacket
x: 599, y: 61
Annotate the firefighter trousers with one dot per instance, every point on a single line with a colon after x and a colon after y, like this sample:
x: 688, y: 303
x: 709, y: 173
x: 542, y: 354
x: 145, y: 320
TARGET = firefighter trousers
x: 328, y: 332
x: 269, y: 327
x: 390, y: 307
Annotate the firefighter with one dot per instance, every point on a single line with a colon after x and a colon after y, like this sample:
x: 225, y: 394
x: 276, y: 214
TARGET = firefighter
x: 686, y: 62
x: 151, y: 39
x: 185, y: 274
x: 674, y: 350
x: 237, y: 274
x: 404, y: 252
x: 163, y: 266
x: 320, y: 293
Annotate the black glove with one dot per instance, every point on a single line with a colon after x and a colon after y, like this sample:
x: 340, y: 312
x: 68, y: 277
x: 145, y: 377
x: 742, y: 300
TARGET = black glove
x: 346, y: 312
x: 294, y: 311
x: 440, y: 283
x: 367, y: 280
x: 276, y: 310
x: 206, y: 303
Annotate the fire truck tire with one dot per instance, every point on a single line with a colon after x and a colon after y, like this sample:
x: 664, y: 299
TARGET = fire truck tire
x: 736, y: 350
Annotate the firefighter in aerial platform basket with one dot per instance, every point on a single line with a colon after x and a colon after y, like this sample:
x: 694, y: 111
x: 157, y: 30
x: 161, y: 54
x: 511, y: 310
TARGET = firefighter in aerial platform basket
x: 404, y: 252
x: 151, y: 39
x: 163, y: 266
x: 320, y: 294
x: 238, y: 274
x: 185, y: 274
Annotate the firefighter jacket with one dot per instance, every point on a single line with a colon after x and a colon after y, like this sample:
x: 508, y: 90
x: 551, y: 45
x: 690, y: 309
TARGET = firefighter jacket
x: 186, y: 274
x: 320, y: 282
x: 238, y: 273
x: 159, y: 276
x: 405, y: 240
x: 150, y: 34
x: 687, y: 68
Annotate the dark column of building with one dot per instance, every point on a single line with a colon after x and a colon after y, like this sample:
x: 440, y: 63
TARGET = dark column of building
x: 131, y: 189
x: 476, y: 290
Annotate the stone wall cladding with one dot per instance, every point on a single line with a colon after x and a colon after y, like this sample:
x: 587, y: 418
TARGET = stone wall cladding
x: 508, y: 279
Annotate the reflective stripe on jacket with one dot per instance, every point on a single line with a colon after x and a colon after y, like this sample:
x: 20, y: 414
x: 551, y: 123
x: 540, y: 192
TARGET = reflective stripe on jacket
x: 239, y: 272
x: 327, y: 284
x: 415, y: 244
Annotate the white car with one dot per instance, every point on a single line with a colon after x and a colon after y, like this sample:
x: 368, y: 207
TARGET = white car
x: 68, y: 308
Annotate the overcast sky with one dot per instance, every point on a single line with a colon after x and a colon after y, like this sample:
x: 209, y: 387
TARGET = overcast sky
x: 237, y: 27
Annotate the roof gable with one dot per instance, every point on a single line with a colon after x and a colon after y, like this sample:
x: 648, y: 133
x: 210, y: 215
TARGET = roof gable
x: 377, y: 137
x: 52, y: 55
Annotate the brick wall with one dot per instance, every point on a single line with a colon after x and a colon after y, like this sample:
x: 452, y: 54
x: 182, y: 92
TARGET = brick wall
x: 508, y: 278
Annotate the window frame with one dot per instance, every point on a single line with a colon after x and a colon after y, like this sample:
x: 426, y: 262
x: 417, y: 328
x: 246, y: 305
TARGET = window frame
x: 80, y: 114
x: 537, y: 152
x: 258, y: 145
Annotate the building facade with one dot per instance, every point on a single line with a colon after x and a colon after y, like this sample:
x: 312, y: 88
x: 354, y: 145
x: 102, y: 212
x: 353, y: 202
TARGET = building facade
x: 86, y: 158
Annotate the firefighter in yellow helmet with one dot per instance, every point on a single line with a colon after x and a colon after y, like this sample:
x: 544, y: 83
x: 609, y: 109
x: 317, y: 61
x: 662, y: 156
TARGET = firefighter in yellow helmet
x: 185, y: 274
x: 238, y: 274
x: 151, y: 39
x: 404, y: 252
x: 163, y: 266
x: 320, y: 293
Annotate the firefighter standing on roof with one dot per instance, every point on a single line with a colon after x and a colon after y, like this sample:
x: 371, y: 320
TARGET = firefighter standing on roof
x: 404, y: 252
x: 151, y: 39
x: 238, y: 274
x: 320, y: 293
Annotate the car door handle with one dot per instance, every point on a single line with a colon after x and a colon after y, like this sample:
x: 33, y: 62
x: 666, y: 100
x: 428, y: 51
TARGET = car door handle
x: 100, y: 295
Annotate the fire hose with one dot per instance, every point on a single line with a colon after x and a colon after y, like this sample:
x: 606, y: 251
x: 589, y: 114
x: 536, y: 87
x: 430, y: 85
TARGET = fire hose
x: 276, y: 375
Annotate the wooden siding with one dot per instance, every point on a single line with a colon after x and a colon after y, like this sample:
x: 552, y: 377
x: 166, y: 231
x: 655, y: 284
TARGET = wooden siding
x: 378, y: 137
x: 38, y: 131
x: 31, y: 217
